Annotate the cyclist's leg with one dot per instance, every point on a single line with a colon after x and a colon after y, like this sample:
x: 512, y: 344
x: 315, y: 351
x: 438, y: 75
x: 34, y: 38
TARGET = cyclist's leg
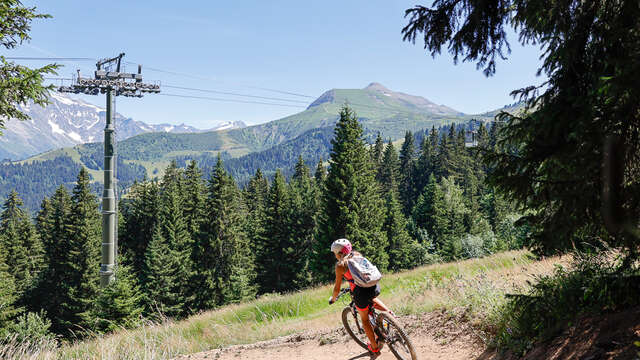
x: 368, y: 329
x: 377, y: 303
x: 362, y: 298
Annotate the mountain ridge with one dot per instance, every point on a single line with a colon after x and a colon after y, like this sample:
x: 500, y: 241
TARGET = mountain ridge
x: 67, y: 122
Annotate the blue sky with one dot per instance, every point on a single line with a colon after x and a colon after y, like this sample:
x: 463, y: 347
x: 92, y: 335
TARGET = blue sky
x: 305, y: 47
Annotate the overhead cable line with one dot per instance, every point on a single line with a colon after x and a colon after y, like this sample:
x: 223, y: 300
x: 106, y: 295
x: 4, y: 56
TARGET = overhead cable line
x: 50, y: 58
x: 231, y: 100
x: 232, y: 93
x: 209, y: 79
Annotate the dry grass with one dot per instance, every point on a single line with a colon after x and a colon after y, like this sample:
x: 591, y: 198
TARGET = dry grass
x: 478, y: 285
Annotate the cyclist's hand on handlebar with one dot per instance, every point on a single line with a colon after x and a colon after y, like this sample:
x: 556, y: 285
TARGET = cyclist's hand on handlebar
x: 331, y: 301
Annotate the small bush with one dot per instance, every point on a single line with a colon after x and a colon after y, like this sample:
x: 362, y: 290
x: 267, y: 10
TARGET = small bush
x: 32, y: 327
x: 596, y: 283
x: 472, y: 246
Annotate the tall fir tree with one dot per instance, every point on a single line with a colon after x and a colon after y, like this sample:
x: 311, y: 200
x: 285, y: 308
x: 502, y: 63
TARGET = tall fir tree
x: 174, y: 227
x: 401, y: 245
x: 451, y: 227
x: 255, y: 196
x: 8, y: 296
x: 388, y: 173
x: 54, y: 284
x: 407, y: 166
x: 320, y: 175
x: 85, y: 239
x: 194, y: 198
x: 377, y: 152
x: 351, y: 207
x: 163, y: 290
x: 304, y: 206
x: 224, y: 262
x: 24, y: 252
x: 430, y: 208
x: 141, y: 214
x: 275, y: 262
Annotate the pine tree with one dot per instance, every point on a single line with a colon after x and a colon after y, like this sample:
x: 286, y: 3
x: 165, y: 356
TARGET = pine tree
x: 377, y: 153
x: 8, y: 296
x: 273, y: 263
x: 24, y: 252
x: 255, y: 198
x: 85, y: 241
x: 304, y: 206
x: 224, y: 261
x: 429, y: 207
x: 352, y: 207
x: 401, y: 245
x: 174, y: 230
x: 194, y: 198
x: 162, y: 288
x: 119, y: 305
x: 426, y: 163
x: 320, y: 175
x: 141, y: 214
x: 388, y: 173
x: 406, y: 182
x: 451, y: 227
x: 54, y: 285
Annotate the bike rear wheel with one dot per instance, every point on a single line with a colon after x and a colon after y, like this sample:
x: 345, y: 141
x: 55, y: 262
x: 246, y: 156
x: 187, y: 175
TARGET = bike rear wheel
x: 395, y: 337
x: 353, y: 325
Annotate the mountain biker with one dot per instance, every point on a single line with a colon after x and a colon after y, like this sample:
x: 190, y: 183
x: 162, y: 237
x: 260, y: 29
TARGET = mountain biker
x: 362, y: 296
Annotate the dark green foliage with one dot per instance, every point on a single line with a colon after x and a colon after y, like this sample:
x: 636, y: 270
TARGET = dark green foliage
x: 377, y: 152
x: 256, y: 194
x: 22, y: 245
x: 19, y: 84
x: 388, y: 172
x: 304, y: 197
x: 85, y: 239
x: 119, y: 305
x: 54, y: 284
x: 549, y: 158
x: 277, y: 257
x: 141, y: 214
x: 223, y: 258
x: 351, y: 207
x: 407, y: 167
x: 194, y: 197
x: 162, y: 287
x: 8, y: 296
x: 402, y: 248
x: 320, y: 175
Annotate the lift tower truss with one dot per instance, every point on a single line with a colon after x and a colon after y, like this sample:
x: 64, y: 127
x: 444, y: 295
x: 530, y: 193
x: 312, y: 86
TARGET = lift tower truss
x: 112, y: 83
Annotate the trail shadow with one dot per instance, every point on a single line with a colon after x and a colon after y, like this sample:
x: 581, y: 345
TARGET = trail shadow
x: 363, y: 355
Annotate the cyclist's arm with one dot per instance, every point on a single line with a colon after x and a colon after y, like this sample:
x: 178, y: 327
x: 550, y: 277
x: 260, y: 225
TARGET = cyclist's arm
x: 336, y: 288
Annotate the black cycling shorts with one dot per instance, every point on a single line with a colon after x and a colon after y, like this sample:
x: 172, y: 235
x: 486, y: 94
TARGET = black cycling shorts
x: 363, y: 297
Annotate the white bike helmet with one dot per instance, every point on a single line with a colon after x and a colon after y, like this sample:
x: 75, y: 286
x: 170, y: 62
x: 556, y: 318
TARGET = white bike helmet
x: 341, y: 245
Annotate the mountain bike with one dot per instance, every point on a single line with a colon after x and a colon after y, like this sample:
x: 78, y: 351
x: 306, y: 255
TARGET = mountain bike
x: 385, y: 326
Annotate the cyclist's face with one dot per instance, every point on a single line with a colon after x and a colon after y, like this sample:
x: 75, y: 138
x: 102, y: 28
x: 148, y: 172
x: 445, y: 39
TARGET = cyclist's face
x: 337, y: 255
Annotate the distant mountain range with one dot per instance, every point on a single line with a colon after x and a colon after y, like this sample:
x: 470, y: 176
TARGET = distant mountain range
x: 67, y: 122
x: 267, y: 146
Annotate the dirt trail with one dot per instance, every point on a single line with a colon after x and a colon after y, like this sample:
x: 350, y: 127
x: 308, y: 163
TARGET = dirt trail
x: 434, y: 335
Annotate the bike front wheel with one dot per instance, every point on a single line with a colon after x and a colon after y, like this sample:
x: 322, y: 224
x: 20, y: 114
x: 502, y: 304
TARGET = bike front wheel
x: 395, y: 337
x: 353, y: 325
